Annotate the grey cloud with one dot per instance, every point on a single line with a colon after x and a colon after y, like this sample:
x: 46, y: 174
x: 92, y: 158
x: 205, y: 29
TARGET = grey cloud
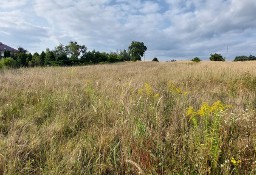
x: 17, y: 28
x: 170, y: 28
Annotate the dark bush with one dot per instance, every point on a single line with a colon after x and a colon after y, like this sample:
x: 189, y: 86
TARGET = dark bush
x: 216, y: 57
x: 155, y: 59
x: 196, y: 59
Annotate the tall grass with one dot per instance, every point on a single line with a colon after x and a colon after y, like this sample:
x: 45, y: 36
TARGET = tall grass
x: 129, y: 118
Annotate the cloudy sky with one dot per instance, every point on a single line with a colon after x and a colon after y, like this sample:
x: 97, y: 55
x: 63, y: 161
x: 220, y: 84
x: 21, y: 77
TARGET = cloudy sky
x: 171, y: 29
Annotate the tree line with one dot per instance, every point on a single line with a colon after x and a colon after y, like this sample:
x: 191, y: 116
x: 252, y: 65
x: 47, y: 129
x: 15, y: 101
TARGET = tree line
x: 71, y: 55
x: 219, y: 57
x: 74, y: 54
x: 245, y: 58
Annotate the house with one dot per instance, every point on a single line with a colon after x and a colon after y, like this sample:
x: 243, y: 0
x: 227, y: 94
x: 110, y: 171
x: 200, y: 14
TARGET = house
x: 4, y: 48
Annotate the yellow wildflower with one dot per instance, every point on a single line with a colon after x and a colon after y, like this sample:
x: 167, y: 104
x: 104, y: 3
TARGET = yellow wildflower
x: 185, y: 93
x: 148, y: 89
x: 174, y: 89
x: 140, y: 91
x: 235, y: 162
x: 217, y: 107
x: 190, y: 111
x: 204, y: 110
x: 156, y: 95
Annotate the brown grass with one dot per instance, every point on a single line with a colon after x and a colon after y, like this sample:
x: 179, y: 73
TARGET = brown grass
x: 128, y: 118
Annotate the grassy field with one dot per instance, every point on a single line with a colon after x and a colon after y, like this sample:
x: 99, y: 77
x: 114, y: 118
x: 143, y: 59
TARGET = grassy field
x: 129, y: 118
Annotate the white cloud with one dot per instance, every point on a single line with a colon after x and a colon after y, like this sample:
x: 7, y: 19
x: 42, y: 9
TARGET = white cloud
x: 170, y: 28
x: 12, y: 4
x: 150, y: 7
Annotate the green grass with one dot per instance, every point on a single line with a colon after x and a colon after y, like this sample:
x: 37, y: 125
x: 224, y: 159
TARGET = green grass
x: 129, y: 118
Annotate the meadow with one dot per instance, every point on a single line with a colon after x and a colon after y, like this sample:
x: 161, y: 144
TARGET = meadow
x: 129, y: 118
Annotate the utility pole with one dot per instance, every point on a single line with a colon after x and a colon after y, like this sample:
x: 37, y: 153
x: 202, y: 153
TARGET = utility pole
x: 227, y: 50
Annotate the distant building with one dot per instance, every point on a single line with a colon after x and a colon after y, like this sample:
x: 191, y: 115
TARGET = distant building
x: 4, y: 48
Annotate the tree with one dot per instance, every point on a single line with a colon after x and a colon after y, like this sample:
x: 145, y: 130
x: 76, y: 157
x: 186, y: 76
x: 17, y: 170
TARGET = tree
x: 251, y: 58
x: 99, y: 57
x: 75, y: 51
x: 155, y: 59
x: 87, y: 58
x: 112, y: 57
x: 22, y: 59
x: 35, y: 60
x: 49, y: 56
x: 60, y: 53
x: 104, y: 57
x: 42, y: 58
x: 29, y: 58
x: 7, y: 54
x: 21, y: 50
x: 216, y: 57
x: 245, y: 58
x: 137, y: 50
x: 124, y: 56
x: 196, y: 59
x: 91, y: 57
x: 241, y: 58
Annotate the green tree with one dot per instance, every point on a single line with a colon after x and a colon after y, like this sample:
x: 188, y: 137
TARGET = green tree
x: 155, y: 59
x: 29, y: 58
x: 86, y: 58
x: 137, y: 50
x: 22, y: 50
x: 251, y: 58
x: 98, y: 57
x: 241, y: 58
x: 42, y: 58
x: 35, y: 60
x: 7, y: 54
x: 22, y: 59
x: 124, y: 56
x: 49, y: 56
x: 75, y: 51
x: 103, y: 57
x: 60, y: 53
x: 196, y: 59
x: 93, y: 57
x: 217, y: 57
x: 112, y: 57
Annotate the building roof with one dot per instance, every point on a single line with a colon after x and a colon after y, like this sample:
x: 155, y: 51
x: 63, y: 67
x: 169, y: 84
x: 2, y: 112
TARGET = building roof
x: 4, y: 47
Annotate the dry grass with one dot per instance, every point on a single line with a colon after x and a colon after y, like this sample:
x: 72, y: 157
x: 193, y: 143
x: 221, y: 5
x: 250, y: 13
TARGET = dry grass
x: 129, y: 118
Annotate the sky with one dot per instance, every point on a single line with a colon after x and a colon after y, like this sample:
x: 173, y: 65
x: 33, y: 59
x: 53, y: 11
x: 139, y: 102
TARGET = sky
x: 171, y: 29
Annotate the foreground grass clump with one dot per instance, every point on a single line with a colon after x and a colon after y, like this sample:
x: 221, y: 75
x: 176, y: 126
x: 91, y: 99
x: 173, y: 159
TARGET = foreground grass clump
x: 129, y: 118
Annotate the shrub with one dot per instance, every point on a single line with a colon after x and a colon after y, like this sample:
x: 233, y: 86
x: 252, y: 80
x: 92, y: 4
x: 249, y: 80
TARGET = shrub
x: 1, y: 64
x: 245, y: 58
x: 217, y: 57
x: 155, y: 59
x: 241, y: 58
x: 112, y: 57
x: 8, y: 62
x: 196, y: 59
